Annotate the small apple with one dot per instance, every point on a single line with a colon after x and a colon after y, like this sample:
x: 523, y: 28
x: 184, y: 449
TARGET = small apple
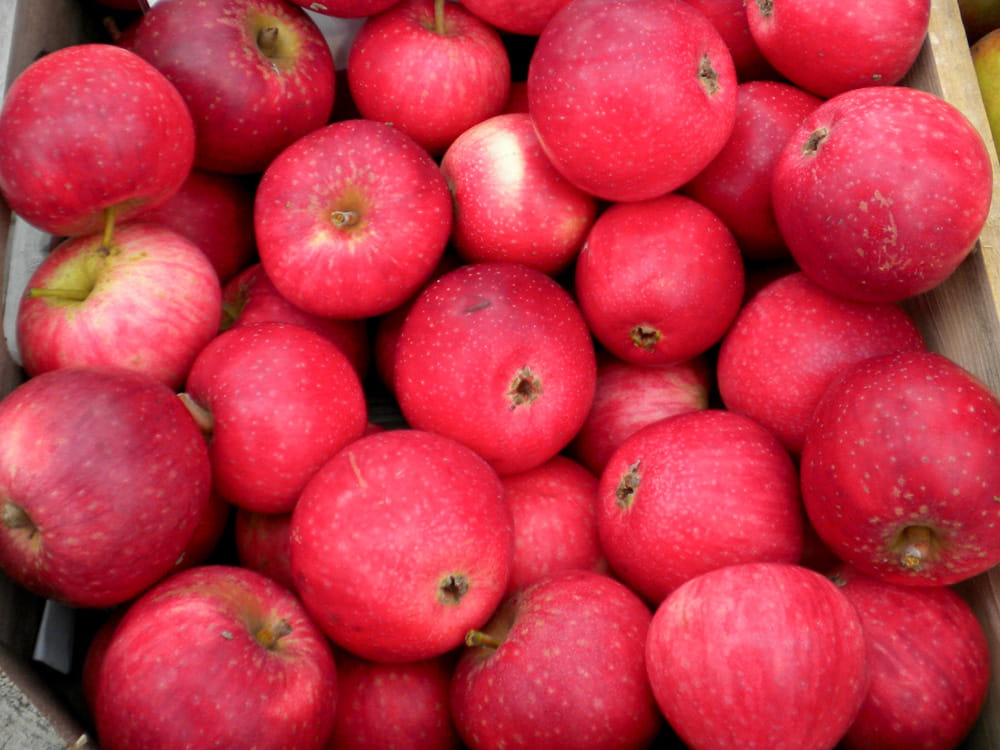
x: 145, y: 298
x: 758, y: 655
x: 400, y: 544
x: 277, y: 82
x: 216, y: 656
x: 430, y: 68
x: 358, y: 240
x: 91, y: 130
x: 562, y: 663
x: 104, y: 476
x: 278, y: 400
x: 899, y: 473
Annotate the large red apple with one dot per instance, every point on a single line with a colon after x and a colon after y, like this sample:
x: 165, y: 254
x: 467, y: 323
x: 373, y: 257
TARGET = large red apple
x: 630, y: 396
x: 758, y: 655
x: 694, y: 492
x: 736, y: 184
x: 147, y: 299
x: 510, y: 202
x: 430, y: 68
x: 104, y: 477
x: 631, y: 98
x: 560, y: 664
x: 899, y: 471
x: 358, y: 240
x: 832, y: 46
x: 926, y: 638
x: 790, y: 340
x: 907, y: 177
x: 256, y: 75
x: 279, y: 401
x: 659, y: 281
x: 498, y: 357
x: 216, y: 656
x: 400, y: 544
x: 88, y: 130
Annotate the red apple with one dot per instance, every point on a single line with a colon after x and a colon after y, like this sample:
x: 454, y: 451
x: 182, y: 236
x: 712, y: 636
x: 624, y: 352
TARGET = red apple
x: 694, y: 492
x: 251, y: 297
x: 355, y: 241
x: 926, y: 638
x: 758, y: 655
x: 88, y: 130
x: 908, y: 178
x: 554, y: 507
x: 208, y: 533
x: 401, y: 543
x: 279, y: 401
x: 899, y: 471
x: 264, y: 544
x: 790, y: 340
x: 345, y: 8
x: 104, y: 477
x: 832, y: 46
x: 560, y: 664
x: 730, y: 19
x: 510, y: 202
x: 498, y: 357
x: 393, y: 705
x: 430, y: 68
x: 146, y: 299
x: 524, y: 17
x: 631, y: 98
x: 215, y: 212
x: 629, y: 397
x: 276, y: 84
x: 216, y: 656
x: 736, y: 184
x: 659, y: 281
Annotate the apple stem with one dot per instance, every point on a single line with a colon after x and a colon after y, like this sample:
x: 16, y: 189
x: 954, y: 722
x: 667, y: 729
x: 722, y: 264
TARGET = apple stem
x: 110, y: 214
x: 76, y: 295
x: 269, y: 635
x: 202, y: 416
x: 267, y: 40
x: 347, y: 218
x: 439, y: 16
x: 916, y: 547
x: 478, y: 638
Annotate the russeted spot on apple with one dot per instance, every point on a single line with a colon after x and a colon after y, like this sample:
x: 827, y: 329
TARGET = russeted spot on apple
x: 707, y: 75
x: 627, y: 486
x: 452, y: 588
x: 915, y: 546
x: 645, y: 336
x: 524, y: 388
x: 269, y: 634
x: 814, y: 141
x: 766, y: 7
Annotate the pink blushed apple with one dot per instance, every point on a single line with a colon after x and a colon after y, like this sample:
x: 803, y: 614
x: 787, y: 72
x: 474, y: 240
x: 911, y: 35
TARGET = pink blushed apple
x: 355, y: 241
x: 103, y: 478
x: 146, y: 299
x: 88, y: 129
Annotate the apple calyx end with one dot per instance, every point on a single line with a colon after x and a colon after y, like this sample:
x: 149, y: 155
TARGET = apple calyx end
x: 814, y: 141
x: 707, y: 76
x: 644, y: 336
x: 13, y: 516
x: 524, y: 388
x: 627, y: 487
x: 452, y: 588
x: 916, y: 546
x: 766, y: 7
x: 270, y: 634
x: 479, y: 639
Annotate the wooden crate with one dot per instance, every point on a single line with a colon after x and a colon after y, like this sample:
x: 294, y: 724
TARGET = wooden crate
x: 960, y: 319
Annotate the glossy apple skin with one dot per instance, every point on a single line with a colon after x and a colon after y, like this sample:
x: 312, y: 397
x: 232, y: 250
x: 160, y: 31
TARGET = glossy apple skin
x: 555, y: 521
x: 618, y: 99
x: 498, y: 357
x: 401, y: 543
x: 64, y: 161
x: 113, y: 474
x: 926, y: 637
x: 861, y: 156
x: 790, y: 628
x: 901, y: 444
x: 215, y: 212
x: 569, y: 671
x: 251, y: 297
x: 659, y: 281
x: 401, y: 219
x: 393, y: 705
x: 430, y: 85
x: 630, y: 396
x: 249, y: 109
x: 736, y: 184
x: 154, y: 302
x: 694, y: 492
x: 511, y: 204
x: 856, y: 45
x: 789, y: 342
x: 184, y: 668
x: 283, y: 400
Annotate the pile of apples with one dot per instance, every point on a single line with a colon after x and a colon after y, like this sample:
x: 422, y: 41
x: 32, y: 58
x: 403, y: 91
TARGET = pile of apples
x: 544, y: 364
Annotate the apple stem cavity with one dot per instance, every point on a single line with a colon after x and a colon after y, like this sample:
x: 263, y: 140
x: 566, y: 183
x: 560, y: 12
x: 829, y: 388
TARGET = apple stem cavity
x: 916, y: 547
x: 202, y: 416
x: 645, y: 337
x: 452, y: 588
x: 269, y: 635
x: 627, y: 486
x: 16, y: 517
x: 524, y: 388
x: 477, y: 638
